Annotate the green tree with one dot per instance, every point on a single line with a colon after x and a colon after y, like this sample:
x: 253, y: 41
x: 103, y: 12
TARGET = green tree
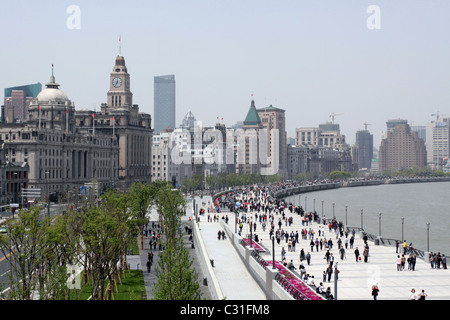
x: 177, y: 280
x: 24, y: 246
x: 103, y: 232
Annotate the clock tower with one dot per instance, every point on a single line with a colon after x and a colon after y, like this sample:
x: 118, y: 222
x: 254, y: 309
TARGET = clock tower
x: 119, y: 94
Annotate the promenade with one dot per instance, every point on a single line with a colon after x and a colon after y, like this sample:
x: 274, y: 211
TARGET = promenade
x: 355, y: 279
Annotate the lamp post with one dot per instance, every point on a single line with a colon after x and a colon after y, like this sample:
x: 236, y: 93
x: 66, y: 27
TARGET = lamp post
x: 48, y: 194
x: 322, y: 209
x: 379, y: 224
x: 251, y: 235
x: 306, y: 203
x: 335, y: 280
x: 333, y: 211
x: 346, y: 215
x: 428, y: 236
x: 273, y: 251
x: 403, y: 222
x: 314, y: 205
x: 362, y: 219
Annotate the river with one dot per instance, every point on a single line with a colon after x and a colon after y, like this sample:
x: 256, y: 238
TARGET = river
x: 418, y: 203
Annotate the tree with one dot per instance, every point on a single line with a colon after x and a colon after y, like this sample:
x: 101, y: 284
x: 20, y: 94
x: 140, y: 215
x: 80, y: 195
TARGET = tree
x: 25, y: 248
x: 103, y: 230
x: 177, y: 280
x: 140, y: 197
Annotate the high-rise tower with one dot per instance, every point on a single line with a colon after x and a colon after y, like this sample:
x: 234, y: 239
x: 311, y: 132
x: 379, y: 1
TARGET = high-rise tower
x: 164, y: 102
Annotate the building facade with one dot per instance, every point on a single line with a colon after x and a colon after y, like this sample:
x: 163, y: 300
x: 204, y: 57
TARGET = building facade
x: 438, y: 143
x: 59, y: 156
x: 274, y: 121
x: 402, y: 148
x: 66, y: 149
x: 121, y: 122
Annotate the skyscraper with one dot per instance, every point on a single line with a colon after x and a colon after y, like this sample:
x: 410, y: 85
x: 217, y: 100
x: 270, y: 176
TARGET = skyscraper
x: 364, y: 149
x: 164, y: 102
x: 402, y: 148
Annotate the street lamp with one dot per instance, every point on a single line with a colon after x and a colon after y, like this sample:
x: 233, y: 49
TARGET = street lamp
x: 428, y: 236
x: 379, y: 224
x: 335, y: 280
x: 403, y: 222
x: 346, y: 215
x: 314, y: 205
x: 322, y: 209
x: 48, y: 194
x: 362, y: 219
x: 306, y: 203
x: 333, y: 211
x: 273, y: 251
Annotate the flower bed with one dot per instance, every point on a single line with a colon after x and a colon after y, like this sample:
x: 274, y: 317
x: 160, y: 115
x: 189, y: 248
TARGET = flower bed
x: 255, y: 245
x: 296, y: 282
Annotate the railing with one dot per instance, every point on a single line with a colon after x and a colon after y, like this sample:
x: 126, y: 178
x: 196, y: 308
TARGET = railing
x: 392, y: 242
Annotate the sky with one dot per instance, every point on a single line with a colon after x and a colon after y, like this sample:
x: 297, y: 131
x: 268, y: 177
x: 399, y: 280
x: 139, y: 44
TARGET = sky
x: 312, y: 58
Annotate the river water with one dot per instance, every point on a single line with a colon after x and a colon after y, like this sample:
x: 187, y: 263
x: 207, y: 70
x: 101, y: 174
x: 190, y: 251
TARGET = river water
x: 418, y: 203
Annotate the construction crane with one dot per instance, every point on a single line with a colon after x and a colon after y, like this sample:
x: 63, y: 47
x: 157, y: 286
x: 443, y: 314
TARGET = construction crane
x: 333, y: 115
x: 366, y: 124
x: 436, y: 115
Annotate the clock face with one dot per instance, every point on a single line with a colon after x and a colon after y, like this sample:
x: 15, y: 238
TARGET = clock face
x: 117, y: 82
x: 127, y: 83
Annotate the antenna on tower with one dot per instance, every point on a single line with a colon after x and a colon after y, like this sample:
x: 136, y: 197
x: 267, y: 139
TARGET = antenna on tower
x: 366, y: 124
x: 120, y: 45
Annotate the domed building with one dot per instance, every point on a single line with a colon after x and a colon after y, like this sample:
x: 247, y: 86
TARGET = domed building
x: 60, y: 157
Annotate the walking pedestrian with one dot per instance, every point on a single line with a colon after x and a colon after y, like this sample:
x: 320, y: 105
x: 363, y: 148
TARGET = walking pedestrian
x: 399, y: 263
x: 342, y: 253
x: 357, y: 254
x: 366, y: 254
x: 375, y: 292
x: 308, y: 258
x: 329, y: 273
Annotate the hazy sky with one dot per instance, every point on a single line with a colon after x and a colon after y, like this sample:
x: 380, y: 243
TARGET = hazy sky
x: 311, y: 58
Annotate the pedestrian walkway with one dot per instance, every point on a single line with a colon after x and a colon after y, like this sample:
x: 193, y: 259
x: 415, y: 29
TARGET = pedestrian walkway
x: 235, y: 281
x: 355, y: 279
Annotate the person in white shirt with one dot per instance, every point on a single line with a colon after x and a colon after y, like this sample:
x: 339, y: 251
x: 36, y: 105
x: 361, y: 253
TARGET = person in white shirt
x: 412, y: 295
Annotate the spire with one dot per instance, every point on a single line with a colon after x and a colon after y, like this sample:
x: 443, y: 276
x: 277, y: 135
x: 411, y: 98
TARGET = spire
x: 252, y: 116
x: 52, y: 83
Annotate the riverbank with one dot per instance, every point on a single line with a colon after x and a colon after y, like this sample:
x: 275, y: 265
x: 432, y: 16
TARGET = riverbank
x: 311, y: 187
